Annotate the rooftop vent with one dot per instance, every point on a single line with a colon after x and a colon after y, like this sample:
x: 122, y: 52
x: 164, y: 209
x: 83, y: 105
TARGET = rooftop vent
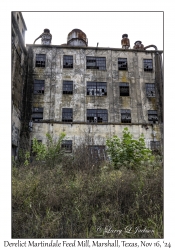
x: 125, y: 41
x: 77, y: 38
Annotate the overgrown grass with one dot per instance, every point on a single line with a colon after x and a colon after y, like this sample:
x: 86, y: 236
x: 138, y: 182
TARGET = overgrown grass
x: 81, y: 200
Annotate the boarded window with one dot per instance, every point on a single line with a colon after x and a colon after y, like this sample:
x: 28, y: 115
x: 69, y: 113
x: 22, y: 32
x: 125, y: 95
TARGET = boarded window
x: 150, y: 90
x: 68, y: 62
x: 38, y: 87
x: 67, y: 87
x: 40, y: 60
x: 37, y: 114
x: 67, y: 115
x: 124, y: 89
x: 97, y: 88
x: 67, y: 146
x: 152, y: 116
x: 97, y: 115
x: 125, y: 116
x: 148, y: 64
x: 93, y: 62
x: 122, y: 64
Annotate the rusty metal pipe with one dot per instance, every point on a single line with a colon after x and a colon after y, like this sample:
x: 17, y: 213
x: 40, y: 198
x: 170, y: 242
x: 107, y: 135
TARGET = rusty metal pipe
x: 149, y: 46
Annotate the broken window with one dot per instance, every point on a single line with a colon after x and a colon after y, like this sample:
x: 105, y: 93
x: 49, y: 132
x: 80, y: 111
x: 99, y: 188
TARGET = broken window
x: 40, y: 60
x: 96, y: 88
x: 124, y: 89
x: 67, y: 87
x: 148, y: 64
x: 37, y: 114
x: 125, y: 115
x: 67, y: 115
x: 67, y: 146
x: 97, y: 115
x: 150, y: 90
x: 155, y: 145
x: 98, y: 152
x: 93, y: 62
x: 68, y: 62
x: 152, y: 116
x: 122, y: 64
x: 38, y: 87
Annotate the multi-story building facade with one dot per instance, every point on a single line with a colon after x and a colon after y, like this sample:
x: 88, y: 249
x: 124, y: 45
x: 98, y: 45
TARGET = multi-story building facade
x: 93, y: 93
x: 19, y: 56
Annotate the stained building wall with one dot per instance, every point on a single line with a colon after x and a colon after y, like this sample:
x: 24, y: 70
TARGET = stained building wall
x: 53, y: 99
x: 19, y: 55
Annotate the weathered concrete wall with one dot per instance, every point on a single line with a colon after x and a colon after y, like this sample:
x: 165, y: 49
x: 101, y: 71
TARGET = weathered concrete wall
x: 53, y: 100
x: 19, y: 55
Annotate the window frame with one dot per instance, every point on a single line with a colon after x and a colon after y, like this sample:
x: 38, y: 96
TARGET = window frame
x: 101, y: 149
x: 95, y: 88
x: 125, y: 60
x: 146, y: 64
x: 66, y: 145
x: 37, y: 111
x: 100, y: 62
x: 124, y: 85
x: 149, y: 89
x: 40, y: 87
x: 124, y: 113
x: 67, y: 111
x: 69, y: 60
x: 40, y: 63
x: 94, y: 115
x: 66, y: 86
x: 152, y: 114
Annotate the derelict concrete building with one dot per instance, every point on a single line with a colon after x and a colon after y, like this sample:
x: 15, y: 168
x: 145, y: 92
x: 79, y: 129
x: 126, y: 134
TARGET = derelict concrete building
x: 92, y: 93
x: 19, y: 60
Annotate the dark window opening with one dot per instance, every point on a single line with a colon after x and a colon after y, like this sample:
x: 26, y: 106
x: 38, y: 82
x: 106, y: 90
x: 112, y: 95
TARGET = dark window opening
x: 152, y: 116
x: 38, y: 87
x: 97, y: 115
x: 124, y: 89
x: 67, y: 115
x: 40, y: 60
x: 155, y: 146
x: 97, y: 152
x: 37, y: 114
x: 14, y: 150
x: 148, y: 64
x: 122, y: 64
x: 125, y: 115
x: 95, y: 62
x: 67, y: 146
x: 67, y: 87
x: 17, y: 18
x: 150, y: 90
x: 68, y: 62
x: 97, y: 88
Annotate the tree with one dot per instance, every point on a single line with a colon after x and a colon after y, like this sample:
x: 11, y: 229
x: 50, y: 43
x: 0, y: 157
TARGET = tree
x: 127, y: 151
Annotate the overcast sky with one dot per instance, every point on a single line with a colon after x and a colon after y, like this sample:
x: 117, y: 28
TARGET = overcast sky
x: 105, y: 28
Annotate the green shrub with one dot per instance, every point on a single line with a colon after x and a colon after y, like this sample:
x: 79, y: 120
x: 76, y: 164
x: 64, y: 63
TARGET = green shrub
x: 128, y: 151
